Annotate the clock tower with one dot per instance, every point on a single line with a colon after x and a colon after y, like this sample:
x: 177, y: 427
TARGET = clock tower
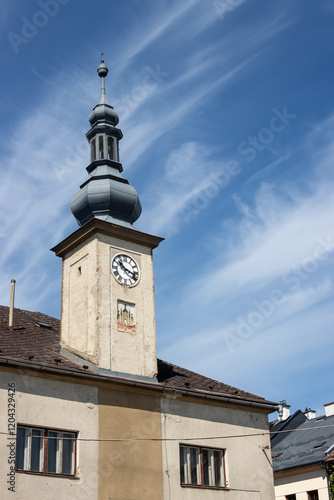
x: 107, y: 310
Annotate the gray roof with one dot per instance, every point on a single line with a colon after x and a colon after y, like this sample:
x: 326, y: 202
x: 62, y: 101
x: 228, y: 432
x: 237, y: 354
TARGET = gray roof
x: 305, y: 446
x: 276, y: 427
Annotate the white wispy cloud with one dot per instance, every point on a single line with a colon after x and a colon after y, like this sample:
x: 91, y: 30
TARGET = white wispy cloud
x: 158, y: 24
x: 185, y: 177
x: 281, y: 240
x: 292, y: 345
x: 34, y: 195
x: 271, y: 238
x: 261, y: 316
x: 207, y: 71
x: 267, y: 361
x: 141, y: 136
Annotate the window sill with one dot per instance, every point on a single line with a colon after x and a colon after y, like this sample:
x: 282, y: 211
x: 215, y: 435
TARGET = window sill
x: 43, y: 474
x: 203, y: 487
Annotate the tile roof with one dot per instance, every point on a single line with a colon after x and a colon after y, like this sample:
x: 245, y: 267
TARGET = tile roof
x: 305, y: 446
x: 35, y: 340
x: 180, y: 378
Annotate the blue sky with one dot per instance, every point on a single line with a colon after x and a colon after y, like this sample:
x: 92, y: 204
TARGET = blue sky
x: 227, y: 112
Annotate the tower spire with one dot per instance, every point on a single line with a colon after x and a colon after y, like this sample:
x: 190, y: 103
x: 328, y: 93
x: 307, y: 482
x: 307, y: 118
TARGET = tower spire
x: 102, y: 71
x: 106, y: 194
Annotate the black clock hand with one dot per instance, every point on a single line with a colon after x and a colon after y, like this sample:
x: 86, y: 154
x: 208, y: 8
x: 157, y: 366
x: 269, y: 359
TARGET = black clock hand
x: 123, y: 267
x: 128, y: 272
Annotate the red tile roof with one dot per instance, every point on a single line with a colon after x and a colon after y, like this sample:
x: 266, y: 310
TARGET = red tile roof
x: 35, y: 340
x: 180, y: 378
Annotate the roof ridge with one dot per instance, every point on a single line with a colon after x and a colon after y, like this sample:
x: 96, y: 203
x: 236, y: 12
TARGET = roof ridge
x: 27, y: 311
x: 237, y: 392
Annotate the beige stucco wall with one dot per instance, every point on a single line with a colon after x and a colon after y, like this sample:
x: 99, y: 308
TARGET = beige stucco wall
x: 130, y: 469
x: 89, y: 307
x: 56, y: 405
x: 247, y: 458
x: 128, y: 447
x: 300, y: 484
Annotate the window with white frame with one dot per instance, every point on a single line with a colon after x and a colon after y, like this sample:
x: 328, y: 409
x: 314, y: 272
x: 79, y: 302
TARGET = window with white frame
x: 313, y: 495
x: 202, y: 467
x: 45, y: 451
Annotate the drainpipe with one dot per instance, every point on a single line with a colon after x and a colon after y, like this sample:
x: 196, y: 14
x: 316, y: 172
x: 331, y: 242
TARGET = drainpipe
x: 11, y: 306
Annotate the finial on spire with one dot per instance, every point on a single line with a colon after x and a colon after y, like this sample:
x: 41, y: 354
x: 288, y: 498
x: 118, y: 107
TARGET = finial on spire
x: 103, y: 109
x: 102, y: 71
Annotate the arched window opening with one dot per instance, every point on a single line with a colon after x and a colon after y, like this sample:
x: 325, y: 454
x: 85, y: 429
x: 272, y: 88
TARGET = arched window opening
x: 93, y: 150
x: 101, y: 155
x: 110, y: 148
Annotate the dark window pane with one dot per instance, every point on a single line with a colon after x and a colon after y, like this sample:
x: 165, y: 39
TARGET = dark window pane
x: 110, y: 148
x: 101, y: 147
x: 20, y: 444
x: 313, y: 495
x: 206, y: 465
x: 183, y: 463
x: 68, y: 449
x: 193, y: 465
x: 53, y: 451
x: 36, y: 450
x: 218, y: 462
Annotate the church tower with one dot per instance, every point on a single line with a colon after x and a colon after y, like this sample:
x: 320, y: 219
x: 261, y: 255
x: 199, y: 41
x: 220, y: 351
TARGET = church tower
x: 108, y: 312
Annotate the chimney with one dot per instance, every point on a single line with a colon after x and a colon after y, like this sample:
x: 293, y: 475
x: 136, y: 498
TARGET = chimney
x: 329, y: 409
x: 11, y: 305
x: 310, y: 414
x: 283, y: 411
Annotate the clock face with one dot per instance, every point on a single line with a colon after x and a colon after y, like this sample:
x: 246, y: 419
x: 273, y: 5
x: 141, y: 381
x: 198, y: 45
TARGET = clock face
x: 125, y: 270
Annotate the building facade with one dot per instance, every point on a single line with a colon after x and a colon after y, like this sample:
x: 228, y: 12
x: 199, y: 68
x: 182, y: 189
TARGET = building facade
x: 300, y: 445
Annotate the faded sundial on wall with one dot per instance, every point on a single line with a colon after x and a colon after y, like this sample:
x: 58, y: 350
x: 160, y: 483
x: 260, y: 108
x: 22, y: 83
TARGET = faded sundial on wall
x: 126, y: 317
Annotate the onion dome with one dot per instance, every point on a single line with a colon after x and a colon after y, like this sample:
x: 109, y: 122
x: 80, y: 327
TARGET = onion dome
x: 106, y: 194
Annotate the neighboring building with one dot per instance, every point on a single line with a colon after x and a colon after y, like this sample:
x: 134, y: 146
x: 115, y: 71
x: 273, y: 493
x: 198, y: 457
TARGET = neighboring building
x: 301, y: 444
x: 87, y: 410
x: 285, y: 422
x: 329, y: 465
